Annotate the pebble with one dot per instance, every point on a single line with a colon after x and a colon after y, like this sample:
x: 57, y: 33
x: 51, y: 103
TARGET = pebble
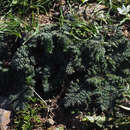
x: 4, y: 113
x: 4, y: 119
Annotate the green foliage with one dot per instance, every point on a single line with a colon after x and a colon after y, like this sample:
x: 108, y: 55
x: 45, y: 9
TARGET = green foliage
x: 3, y: 48
x: 94, y: 72
x: 84, y: 61
x: 80, y: 29
x: 28, y: 118
x: 12, y: 80
x: 103, y: 81
x: 98, y: 120
x: 24, y: 7
x: 114, y: 3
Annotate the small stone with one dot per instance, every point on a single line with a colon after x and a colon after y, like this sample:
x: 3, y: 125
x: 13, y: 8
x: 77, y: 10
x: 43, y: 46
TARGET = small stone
x: 4, y: 119
x: 51, y: 121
